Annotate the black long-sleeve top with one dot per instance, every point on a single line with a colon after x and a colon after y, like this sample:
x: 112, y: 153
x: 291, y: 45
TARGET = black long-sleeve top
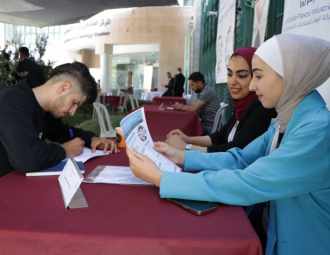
x: 34, y: 72
x: 23, y: 129
x: 169, y: 86
x: 253, y: 123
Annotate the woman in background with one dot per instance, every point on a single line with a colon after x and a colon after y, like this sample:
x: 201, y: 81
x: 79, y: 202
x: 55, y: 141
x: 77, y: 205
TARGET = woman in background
x: 250, y: 118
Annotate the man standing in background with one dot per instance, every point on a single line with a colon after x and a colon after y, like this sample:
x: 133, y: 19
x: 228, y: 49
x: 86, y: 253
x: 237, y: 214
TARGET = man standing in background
x: 35, y: 74
x: 4, y: 49
x: 178, y: 84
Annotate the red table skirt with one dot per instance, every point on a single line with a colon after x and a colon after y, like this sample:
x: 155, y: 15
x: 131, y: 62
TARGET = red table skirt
x: 110, y: 100
x: 119, y: 220
x: 168, y: 100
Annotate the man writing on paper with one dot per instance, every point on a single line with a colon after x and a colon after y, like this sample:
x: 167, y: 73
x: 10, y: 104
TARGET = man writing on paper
x: 207, y: 104
x: 29, y: 115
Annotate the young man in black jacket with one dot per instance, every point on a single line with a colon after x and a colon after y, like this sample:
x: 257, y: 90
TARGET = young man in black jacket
x: 29, y: 115
x: 34, y: 72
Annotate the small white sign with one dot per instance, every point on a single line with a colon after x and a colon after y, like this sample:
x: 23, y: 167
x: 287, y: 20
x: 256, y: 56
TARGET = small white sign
x: 70, y: 180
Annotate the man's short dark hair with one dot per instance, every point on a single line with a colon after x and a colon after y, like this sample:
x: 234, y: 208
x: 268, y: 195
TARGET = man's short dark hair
x: 24, y: 51
x: 79, y: 76
x: 141, y: 127
x: 169, y: 73
x: 179, y: 69
x: 196, y: 77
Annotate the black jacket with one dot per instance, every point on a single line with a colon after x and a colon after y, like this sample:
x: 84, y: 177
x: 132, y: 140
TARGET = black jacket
x: 35, y: 73
x: 253, y: 123
x: 169, y: 86
x: 178, y: 85
x: 24, y: 127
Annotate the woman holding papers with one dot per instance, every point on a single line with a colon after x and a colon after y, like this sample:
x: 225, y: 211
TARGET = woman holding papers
x: 250, y: 118
x: 288, y: 165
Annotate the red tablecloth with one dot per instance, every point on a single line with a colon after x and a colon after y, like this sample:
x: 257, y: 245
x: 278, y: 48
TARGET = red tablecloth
x: 161, y: 122
x: 113, y: 100
x: 119, y: 220
x: 168, y: 100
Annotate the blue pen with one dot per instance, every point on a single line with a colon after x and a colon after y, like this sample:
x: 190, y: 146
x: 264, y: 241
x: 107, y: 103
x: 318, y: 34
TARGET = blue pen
x: 71, y: 133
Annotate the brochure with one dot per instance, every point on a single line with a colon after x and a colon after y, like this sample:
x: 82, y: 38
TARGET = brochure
x: 137, y: 135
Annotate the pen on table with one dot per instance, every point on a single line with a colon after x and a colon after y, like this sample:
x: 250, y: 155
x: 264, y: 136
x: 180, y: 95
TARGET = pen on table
x: 71, y: 133
x: 160, y: 107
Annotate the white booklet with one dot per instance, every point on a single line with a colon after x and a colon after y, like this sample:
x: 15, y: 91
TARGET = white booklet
x: 88, y: 154
x: 136, y: 133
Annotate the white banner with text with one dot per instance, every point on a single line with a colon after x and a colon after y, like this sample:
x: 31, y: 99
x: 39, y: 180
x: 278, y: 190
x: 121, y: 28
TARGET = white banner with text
x: 260, y: 22
x: 225, y: 38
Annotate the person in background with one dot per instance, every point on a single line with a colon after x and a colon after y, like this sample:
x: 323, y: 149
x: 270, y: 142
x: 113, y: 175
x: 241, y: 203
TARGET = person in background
x: 250, y: 118
x: 289, y: 165
x: 207, y: 104
x: 169, y: 86
x: 35, y: 73
x: 7, y: 58
x: 5, y: 49
x: 32, y: 114
x: 179, y: 80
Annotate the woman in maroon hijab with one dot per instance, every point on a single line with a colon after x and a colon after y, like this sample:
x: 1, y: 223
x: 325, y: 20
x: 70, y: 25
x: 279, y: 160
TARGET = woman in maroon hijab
x: 250, y: 118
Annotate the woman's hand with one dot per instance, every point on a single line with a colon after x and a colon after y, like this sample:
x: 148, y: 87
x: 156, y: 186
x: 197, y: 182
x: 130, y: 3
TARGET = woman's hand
x: 176, y: 142
x: 173, y: 154
x: 143, y: 167
x: 180, y: 134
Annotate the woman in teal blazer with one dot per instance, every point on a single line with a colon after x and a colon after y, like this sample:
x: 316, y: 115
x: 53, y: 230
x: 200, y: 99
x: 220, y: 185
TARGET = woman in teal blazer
x: 288, y: 165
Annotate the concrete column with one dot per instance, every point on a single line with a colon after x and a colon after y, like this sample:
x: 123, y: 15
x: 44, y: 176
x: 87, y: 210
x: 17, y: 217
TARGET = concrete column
x: 105, y: 51
x: 105, y: 72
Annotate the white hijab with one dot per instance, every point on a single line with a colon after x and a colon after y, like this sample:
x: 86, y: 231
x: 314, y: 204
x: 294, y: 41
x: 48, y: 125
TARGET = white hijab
x: 306, y: 65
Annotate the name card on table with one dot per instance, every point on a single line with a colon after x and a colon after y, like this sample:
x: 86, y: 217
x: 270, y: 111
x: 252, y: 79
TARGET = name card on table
x: 70, y: 180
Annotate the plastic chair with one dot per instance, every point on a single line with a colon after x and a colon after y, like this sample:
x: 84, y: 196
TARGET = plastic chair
x: 218, y: 118
x: 188, y: 98
x: 101, y: 111
x: 135, y: 104
x: 122, y: 103
x: 143, y: 95
x: 97, y: 101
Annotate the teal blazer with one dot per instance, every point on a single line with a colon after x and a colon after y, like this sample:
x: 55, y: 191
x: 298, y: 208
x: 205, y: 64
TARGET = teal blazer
x: 295, y: 178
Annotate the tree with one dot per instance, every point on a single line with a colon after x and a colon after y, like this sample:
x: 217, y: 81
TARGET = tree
x: 8, y: 68
x: 39, y: 50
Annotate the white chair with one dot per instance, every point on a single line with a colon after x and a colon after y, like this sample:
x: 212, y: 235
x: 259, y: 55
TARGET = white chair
x: 101, y: 111
x: 97, y: 101
x: 118, y: 91
x: 143, y: 95
x: 122, y: 103
x: 135, y: 104
x: 188, y: 98
x: 137, y: 93
x: 218, y: 118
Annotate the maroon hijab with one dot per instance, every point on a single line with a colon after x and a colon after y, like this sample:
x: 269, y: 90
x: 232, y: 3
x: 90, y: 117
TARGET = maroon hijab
x: 241, y: 105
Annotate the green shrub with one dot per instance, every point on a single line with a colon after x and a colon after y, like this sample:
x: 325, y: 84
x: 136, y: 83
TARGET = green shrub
x: 94, y: 126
